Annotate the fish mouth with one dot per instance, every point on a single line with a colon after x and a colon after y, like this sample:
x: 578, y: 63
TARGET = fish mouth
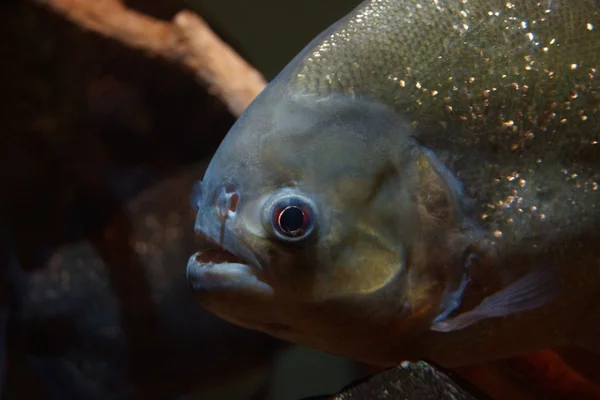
x: 216, y: 269
x: 213, y: 268
x: 217, y: 272
x: 213, y: 256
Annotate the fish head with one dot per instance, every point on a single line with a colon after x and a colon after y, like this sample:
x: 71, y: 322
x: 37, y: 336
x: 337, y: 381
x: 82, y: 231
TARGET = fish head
x: 329, y: 221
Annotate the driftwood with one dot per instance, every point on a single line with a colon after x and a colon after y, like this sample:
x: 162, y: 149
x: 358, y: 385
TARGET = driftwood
x: 186, y: 40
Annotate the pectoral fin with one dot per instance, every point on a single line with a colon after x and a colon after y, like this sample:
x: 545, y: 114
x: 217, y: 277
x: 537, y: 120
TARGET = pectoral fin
x: 533, y: 290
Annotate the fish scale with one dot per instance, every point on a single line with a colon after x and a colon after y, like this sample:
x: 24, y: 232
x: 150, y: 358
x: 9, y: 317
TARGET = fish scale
x: 474, y: 74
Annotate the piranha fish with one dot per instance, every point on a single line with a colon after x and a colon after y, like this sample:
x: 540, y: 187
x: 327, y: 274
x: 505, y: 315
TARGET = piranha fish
x: 420, y: 182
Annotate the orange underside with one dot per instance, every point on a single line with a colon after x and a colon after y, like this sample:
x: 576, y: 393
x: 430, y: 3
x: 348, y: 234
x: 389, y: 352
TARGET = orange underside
x: 561, y: 374
x: 547, y: 374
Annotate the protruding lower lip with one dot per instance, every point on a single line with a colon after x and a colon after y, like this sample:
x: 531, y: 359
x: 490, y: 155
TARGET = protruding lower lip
x: 216, y: 253
x: 208, y: 265
x: 220, y: 270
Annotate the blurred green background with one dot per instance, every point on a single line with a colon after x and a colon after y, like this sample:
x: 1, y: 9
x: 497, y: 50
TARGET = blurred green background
x: 269, y: 33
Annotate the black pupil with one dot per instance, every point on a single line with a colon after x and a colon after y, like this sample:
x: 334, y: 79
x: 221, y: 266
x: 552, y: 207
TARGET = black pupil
x: 291, y: 219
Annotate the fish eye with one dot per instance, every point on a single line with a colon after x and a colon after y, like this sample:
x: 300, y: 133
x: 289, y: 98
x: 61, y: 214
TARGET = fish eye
x: 291, y: 217
x: 291, y: 221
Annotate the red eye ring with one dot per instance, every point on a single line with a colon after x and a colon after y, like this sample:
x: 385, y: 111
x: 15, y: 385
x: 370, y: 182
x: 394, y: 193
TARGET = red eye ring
x: 292, y: 218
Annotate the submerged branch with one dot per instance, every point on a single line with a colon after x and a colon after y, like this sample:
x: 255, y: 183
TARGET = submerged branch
x: 186, y: 40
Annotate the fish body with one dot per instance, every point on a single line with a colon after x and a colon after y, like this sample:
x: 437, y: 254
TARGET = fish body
x: 421, y: 181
